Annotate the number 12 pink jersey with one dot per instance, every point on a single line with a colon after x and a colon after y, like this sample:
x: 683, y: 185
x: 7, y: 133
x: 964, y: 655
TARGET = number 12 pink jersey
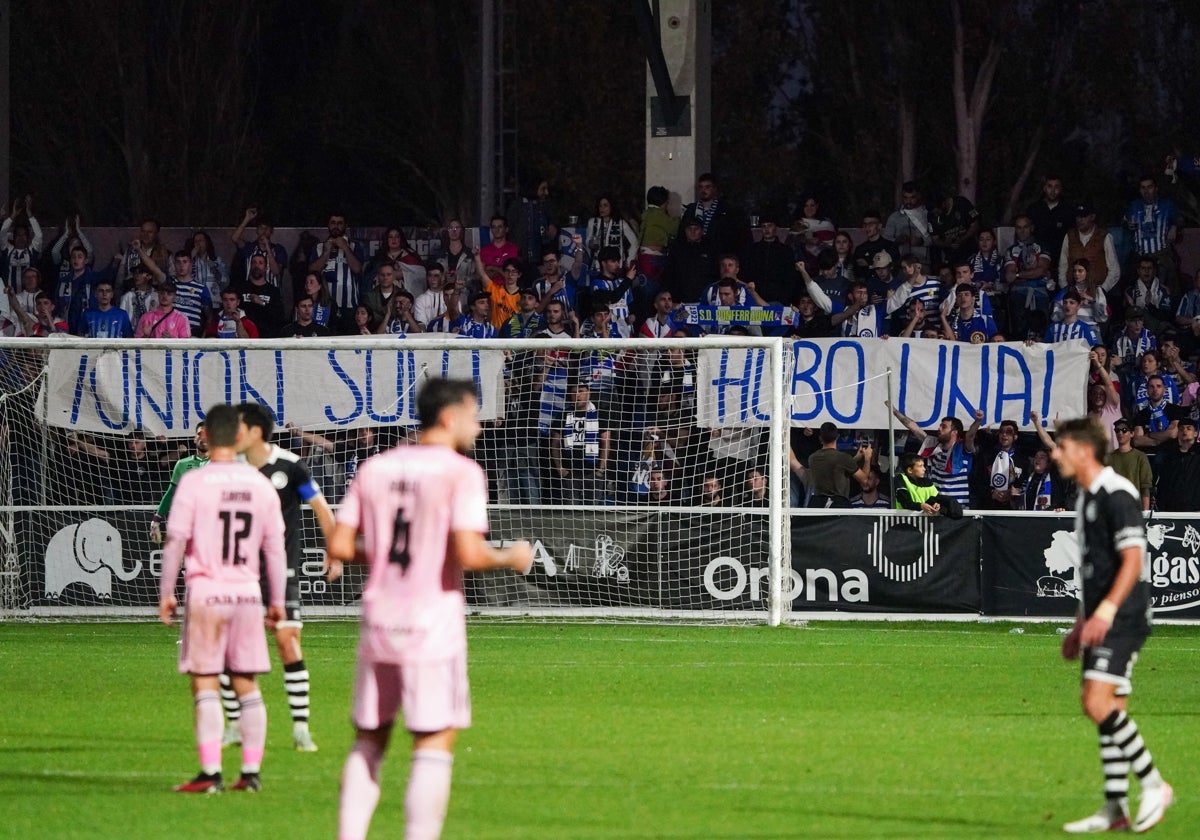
x: 229, y: 514
x: 406, y: 503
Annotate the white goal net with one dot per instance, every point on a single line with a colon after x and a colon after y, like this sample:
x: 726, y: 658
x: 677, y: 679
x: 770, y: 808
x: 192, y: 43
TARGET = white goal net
x: 651, y: 475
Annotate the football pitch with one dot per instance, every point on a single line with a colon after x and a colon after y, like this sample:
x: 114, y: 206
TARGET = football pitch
x: 831, y: 730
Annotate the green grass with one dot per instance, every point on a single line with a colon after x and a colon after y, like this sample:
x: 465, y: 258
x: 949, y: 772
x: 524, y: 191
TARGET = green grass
x: 835, y: 730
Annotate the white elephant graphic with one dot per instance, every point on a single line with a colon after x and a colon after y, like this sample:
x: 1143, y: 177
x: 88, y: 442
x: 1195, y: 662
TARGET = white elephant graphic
x: 87, y: 553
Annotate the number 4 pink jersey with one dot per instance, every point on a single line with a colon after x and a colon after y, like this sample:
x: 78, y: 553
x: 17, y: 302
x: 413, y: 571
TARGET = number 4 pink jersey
x: 406, y: 503
x: 228, y: 512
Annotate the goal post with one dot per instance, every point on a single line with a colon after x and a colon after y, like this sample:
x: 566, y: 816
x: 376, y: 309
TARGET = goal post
x: 651, y: 475
x: 778, y: 464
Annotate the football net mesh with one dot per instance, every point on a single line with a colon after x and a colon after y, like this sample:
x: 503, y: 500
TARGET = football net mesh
x: 647, y: 491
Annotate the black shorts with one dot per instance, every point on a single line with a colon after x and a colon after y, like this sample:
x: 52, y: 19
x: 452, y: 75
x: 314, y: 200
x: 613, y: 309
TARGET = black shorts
x: 1112, y: 661
x: 291, y: 596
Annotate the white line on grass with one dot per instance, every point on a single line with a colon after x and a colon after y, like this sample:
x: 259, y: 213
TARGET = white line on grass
x: 828, y: 790
x: 891, y: 641
x: 658, y: 666
x: 475, y: 780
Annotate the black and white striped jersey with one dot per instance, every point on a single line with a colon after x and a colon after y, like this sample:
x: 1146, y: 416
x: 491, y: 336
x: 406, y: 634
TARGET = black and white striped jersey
x: 1108, y: 519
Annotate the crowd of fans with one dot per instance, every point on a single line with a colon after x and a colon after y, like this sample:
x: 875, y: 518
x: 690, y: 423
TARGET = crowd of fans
x: 618, y: 427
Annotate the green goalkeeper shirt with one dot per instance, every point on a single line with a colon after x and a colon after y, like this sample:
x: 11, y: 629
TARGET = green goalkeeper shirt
x: 181, y: 467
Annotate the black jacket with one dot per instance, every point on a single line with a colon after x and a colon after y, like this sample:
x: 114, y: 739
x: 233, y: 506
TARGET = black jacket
x: 1178, y: 487
x: 691, y: 268
x: 728, y: 231
x: 772, y: 267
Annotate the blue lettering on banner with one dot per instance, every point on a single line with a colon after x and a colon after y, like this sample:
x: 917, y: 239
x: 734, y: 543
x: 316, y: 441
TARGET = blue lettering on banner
x: 859, y: 377
x: 476, y: 377
x: 195, y: 402
x: 167, y: 391
x: 747, y: 382
x: 720, y: 382
x: 184, y: 378
x: 142, y: 396
x: 80, y: 380
x: 374, y: 412
x: 822, y: 390
x: 760, y: 376
x: 355, y: 392
x: 930, y: 379
x: 227, y: 378
x: 804, y: 375
x: 1023, y: 378
x: 939, y: 386
x: 957, y: 397
x: 406, y: 384
x: 251, y: 394
x: 1050, y: 355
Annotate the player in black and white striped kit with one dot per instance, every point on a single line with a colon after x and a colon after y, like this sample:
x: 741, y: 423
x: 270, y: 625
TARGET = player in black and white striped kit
x: 294, y: 483
x: 1112, y: 625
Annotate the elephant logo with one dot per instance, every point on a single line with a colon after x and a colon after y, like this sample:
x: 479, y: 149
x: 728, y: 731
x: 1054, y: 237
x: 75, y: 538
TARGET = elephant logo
x: 87, y: 553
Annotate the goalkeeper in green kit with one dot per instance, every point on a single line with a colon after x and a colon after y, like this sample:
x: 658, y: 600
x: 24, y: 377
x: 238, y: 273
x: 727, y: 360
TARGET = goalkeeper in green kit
x: 183, y: 465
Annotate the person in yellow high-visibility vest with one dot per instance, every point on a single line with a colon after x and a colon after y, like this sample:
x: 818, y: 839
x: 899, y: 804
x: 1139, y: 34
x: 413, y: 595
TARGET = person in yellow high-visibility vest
x: 916, y: 492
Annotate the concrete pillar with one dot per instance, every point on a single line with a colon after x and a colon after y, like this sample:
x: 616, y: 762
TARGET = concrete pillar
x: 487, y: 111
x: 676, y: 154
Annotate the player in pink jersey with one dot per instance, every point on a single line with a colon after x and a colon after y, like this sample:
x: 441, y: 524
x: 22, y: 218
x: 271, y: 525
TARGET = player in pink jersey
x: 224, y: 515
x: 422, y: 513
x: 290, y: 477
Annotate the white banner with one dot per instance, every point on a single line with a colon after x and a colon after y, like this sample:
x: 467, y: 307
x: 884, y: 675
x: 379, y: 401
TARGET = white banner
x: 167, y: 391
x: 845, y: 381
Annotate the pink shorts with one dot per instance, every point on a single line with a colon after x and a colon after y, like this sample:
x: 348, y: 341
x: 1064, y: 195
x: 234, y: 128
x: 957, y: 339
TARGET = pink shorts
x: 433, y: 695
x: 223, y: 630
